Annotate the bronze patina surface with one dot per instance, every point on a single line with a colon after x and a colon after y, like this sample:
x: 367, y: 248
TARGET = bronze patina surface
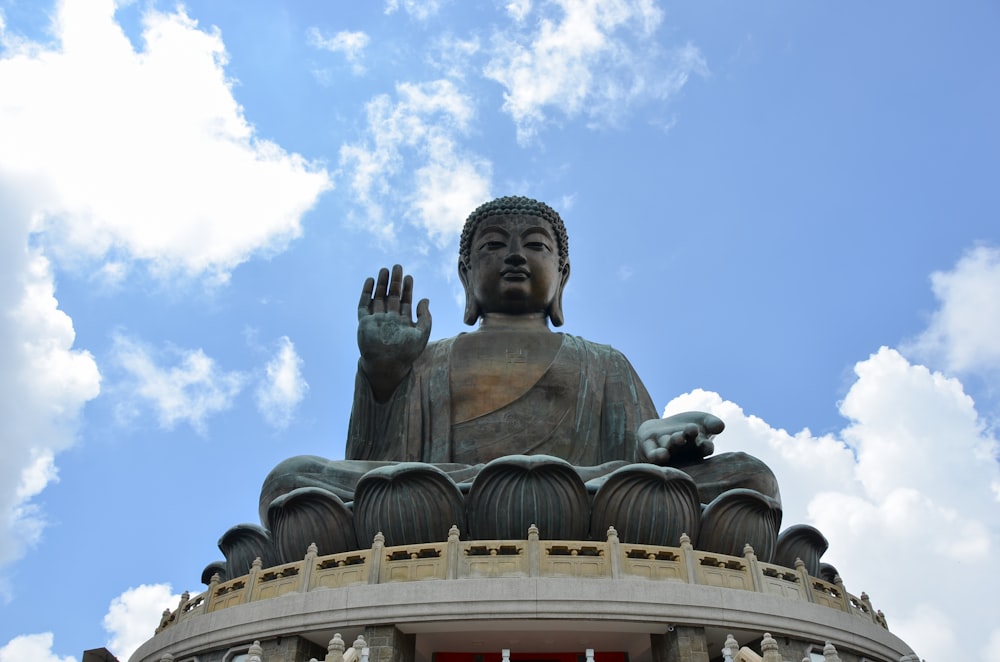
x: 512, y: 422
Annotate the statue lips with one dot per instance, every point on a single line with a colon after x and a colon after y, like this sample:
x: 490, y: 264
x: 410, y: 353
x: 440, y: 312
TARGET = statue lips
x: 515, y: 274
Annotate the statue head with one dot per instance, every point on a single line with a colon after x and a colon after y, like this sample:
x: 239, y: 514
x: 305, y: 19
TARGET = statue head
x: 518, y: 234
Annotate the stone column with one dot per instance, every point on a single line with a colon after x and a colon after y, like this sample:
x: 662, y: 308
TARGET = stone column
x: 681, y: 644
x: 388, y: 644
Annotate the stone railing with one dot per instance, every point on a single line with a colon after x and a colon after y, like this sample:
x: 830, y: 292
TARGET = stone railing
x: 461, y: 559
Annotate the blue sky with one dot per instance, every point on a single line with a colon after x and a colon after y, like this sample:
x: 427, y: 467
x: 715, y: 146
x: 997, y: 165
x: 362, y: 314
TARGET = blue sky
x: 782, y: 212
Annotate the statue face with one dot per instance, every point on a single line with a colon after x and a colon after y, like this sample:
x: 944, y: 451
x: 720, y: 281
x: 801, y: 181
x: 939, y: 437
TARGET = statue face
x: 514, y: 265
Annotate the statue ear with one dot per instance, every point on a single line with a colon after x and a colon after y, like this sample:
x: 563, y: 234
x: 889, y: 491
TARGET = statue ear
x: 555, y: 309
x: 472, y: 311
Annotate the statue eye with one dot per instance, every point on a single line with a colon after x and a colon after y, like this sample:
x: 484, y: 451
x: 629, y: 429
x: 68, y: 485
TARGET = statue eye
x: 492, y: 245
x: 537, y: 246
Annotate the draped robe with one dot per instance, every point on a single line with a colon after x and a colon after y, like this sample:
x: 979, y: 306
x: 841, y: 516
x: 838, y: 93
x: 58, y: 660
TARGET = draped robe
x: 585, y: 409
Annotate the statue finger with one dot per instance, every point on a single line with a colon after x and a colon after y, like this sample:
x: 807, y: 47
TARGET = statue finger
x: 378, y: 297
x: 395, y: 289
x: 691, y: 431
x: 677, y: 440
x: 713, y: 424
x: 424, y: 317
x: 654, y: 452
x: 406, y: 298
x: 365, y: 304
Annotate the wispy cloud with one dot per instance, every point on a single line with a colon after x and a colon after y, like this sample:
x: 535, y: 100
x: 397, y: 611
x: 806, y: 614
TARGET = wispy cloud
x: 182, y: 386
x: 351, y: 44
x: 418, y: 133
x: 584, y: 57
x: 283, y: 386
x: 419, y: 9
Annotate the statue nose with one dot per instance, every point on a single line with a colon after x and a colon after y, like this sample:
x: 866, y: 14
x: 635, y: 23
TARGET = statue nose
x: 515, y: 253
x: 515, y: 258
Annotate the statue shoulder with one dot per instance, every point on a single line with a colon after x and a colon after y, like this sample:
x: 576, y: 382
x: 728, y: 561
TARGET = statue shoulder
x: 593, y: 348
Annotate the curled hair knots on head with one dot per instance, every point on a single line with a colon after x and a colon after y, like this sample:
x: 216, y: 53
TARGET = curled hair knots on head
x: 514, y: 206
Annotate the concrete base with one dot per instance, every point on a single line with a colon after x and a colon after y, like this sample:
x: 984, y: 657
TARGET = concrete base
x: 527, y: 614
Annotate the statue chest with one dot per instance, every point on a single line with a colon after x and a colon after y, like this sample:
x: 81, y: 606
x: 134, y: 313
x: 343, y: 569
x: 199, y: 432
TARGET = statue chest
x: 491, y: 370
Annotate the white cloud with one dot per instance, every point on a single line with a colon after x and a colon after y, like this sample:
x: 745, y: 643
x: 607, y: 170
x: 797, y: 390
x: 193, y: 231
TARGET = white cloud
x: 591, y: 57
x: 45, y: 381
x: 134, y: 615
x: 33, y: 647
x: 146, y: 153
x: 518, y: 9
x: 453, y: 55
x: 283, y: 387
x: 419, y: 9
x: 418, y: 133
x: 963, y: 333
x: 903, y: 493
x: 190, y: 390
x: 351, y: 44
x: 112, y: 156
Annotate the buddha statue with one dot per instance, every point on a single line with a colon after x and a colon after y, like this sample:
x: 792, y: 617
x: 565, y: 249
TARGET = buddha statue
x: 509, y: 425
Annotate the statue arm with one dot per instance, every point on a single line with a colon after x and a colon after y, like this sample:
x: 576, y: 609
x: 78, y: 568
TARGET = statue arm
x: 377, y: 430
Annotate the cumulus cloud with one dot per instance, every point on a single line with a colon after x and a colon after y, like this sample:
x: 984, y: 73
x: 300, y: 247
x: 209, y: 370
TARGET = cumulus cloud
x: 903, y: 493
x: 34, y: 647
x: 145, y: 153
x: 113, y: 157
x: 181, y: 385
x: 283, y: 386
x: 45, y: 381
x: 351, y: 44
x: 418, y: 133
x: 589, y: 57
x: 134, y: 615
x: 962, y: 335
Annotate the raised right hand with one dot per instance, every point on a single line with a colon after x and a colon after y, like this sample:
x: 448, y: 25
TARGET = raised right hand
x: 388, y: 338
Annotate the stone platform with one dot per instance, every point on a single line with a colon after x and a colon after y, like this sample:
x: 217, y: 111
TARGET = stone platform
x: 654, y: 604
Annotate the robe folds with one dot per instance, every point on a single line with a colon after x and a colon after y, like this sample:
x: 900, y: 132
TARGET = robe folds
x: 585, y: 409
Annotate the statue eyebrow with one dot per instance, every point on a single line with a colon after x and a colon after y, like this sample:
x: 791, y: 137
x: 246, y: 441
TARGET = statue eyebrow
x: 493, y: 228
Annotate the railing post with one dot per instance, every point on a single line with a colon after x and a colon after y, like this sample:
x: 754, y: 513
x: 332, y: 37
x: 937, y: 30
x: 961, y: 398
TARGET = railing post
x: 378, y: 551
x: 615, y: 550
x: 800, y: 567
x: 755, y: 572
x: 252, y: 579
x: 335, y: 649
x: 866, y: 601
x: 454, y: 552
x: 730, y: 649
x: 213, y: 586
x: 688, y: 551
x: 844, y: 597
x: 308, y: 565
x: 769, y: 649
x: 534, y: 552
